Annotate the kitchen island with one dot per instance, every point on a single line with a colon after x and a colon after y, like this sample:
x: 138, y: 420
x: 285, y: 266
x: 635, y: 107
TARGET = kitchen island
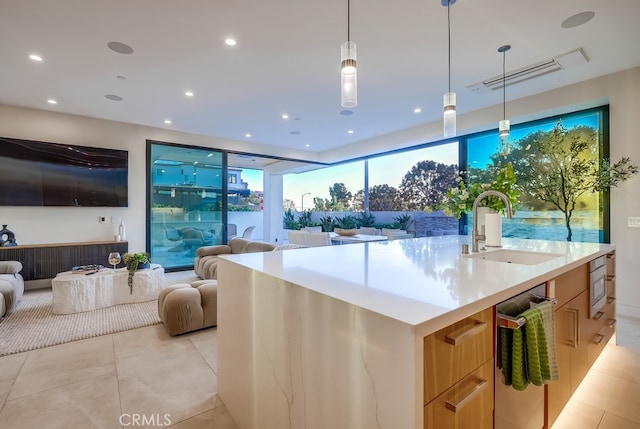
x: 334, y: 337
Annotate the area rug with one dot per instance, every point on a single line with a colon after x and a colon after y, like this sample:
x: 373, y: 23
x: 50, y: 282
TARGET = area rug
x: 32, y: 325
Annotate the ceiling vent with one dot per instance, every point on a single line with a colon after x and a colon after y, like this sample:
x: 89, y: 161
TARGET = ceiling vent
x: 561, y: 62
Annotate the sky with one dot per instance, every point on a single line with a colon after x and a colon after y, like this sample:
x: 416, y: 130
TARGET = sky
x: 485, y: 145
x: 388, y: 169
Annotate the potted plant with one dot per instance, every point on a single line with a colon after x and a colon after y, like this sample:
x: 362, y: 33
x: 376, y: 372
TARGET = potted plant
x: 460, y: 199
x: 135, y: 261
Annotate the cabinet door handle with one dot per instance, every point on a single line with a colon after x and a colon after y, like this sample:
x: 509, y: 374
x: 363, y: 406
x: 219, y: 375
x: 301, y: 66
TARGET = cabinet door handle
x: 575, y: 341
x: 478, y: 326
x: 481, y: 384
x: 611, y: 256
x: 612, y: 323
x: 611, y: 299
x: 611, y: 278
x: 599, y: 339
x: 598, y: 315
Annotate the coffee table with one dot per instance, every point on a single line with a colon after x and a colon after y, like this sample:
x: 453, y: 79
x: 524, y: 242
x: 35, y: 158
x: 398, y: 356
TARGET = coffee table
x: 77, y: 292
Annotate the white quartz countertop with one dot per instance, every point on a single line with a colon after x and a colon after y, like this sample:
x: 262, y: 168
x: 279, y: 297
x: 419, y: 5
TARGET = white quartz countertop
x: 424, y: 282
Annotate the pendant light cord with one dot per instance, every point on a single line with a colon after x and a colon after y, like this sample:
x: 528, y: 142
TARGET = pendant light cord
x: 348, y: 20
x: 449, y: 37
x: 504, y: 86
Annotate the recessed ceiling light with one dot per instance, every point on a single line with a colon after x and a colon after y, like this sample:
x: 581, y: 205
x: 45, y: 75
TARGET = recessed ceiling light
x: 120, y: 48
x: 578, y: 19
x: 52, y: 101
x: 285, y: 116
x: 350, y: 131
x: 307, y: 145
x: 35, y: 57
x: 248, y: 135
x: 113, y: 97
x: 417, y: 110
x: 230, y: 42
x: 167, y: 121
x: 189, y: 93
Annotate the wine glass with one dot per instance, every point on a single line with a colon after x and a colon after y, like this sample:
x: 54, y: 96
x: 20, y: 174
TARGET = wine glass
x: 114, y: 259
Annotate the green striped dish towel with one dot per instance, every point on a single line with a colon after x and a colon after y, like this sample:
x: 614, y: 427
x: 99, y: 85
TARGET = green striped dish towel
x: 534, y: 358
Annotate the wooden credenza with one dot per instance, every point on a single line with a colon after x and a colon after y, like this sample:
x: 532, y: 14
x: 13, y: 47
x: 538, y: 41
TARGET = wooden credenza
x: 44, y: 261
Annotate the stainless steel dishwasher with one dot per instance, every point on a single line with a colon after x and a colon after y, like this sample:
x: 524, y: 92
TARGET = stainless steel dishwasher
x: 516, y: 409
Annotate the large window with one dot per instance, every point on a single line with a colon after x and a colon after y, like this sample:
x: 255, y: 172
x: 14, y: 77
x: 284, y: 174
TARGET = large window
x: 403, y: 183
x: 536, y: 218
x: 326, y: 189
x: 386, y: 191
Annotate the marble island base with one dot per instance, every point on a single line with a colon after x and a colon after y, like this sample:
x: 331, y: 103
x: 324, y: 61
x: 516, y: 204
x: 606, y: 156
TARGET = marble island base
x: 286, y: 355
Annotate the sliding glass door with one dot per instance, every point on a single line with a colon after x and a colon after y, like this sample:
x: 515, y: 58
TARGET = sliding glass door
x: 187, y: 190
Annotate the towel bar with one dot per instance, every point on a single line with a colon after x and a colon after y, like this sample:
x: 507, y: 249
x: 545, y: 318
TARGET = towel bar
x: 511, y: 322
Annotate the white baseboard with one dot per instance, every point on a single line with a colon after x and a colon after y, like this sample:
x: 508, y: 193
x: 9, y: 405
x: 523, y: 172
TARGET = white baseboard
x: 628, y: 311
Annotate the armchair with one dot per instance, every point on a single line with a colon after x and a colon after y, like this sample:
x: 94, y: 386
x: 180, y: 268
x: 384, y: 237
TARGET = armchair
x: 11, y: 285
x: 206, y: 263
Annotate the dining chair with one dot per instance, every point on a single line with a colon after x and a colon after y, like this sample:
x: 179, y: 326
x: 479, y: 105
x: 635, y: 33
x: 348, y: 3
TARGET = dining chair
x: 368, y: 230
x: 318, y: 239
x: 298, y: 237
x: 247, y: 232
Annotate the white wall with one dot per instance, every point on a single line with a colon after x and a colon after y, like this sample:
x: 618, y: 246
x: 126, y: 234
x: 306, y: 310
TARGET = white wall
x: 39, y: 225
x: 70, y: 224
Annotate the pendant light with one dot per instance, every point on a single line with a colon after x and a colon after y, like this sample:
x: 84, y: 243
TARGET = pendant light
x: 449, y: 97
x: 348, y: 68
x: 503, y: 125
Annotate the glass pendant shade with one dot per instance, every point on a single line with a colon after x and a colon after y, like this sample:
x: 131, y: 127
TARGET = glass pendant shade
x: 449, y: 114
x: 348, y: 75
x: 504, y: 130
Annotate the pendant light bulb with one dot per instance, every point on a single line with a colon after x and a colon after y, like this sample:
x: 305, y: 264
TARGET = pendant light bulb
x: 449, y: 114
x: 504, y: 128
x: 348, y: 68
x: 348, y: 75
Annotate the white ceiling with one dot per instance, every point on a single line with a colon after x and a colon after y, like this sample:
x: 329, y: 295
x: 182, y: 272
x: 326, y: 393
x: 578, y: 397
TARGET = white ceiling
x: 287, y: 60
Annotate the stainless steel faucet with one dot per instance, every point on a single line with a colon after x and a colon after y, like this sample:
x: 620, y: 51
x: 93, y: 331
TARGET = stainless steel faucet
x: 475, y: 234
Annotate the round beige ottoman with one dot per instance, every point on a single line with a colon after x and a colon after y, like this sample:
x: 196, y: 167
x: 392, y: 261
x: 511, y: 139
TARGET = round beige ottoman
x: 187, y: 307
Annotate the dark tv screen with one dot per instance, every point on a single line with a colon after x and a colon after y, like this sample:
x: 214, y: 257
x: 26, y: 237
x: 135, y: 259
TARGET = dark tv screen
x: 34, y: 173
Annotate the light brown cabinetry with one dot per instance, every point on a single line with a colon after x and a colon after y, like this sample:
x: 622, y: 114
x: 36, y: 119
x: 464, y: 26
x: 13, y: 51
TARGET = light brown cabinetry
x: 458, y: 374
x: 605, y: 319
x: 579, y: 338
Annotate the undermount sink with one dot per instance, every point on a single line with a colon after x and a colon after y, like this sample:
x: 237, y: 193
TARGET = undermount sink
x: 510, y: 256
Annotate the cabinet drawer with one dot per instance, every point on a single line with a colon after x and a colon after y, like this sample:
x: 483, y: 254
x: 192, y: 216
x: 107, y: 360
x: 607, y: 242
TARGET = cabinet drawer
x: 611, y: 264
x: 468, y: 404
x: 611, y: 286
x: 600, y: 340
x: 455, y: 351
x: 571, y: 284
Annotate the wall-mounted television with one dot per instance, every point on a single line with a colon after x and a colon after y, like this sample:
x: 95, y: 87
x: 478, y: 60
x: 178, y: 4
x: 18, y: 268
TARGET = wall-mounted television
x: 35, y: 173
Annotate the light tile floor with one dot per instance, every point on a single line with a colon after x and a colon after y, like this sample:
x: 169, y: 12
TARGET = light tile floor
x: 107, y: 381
x: 609, y: 396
